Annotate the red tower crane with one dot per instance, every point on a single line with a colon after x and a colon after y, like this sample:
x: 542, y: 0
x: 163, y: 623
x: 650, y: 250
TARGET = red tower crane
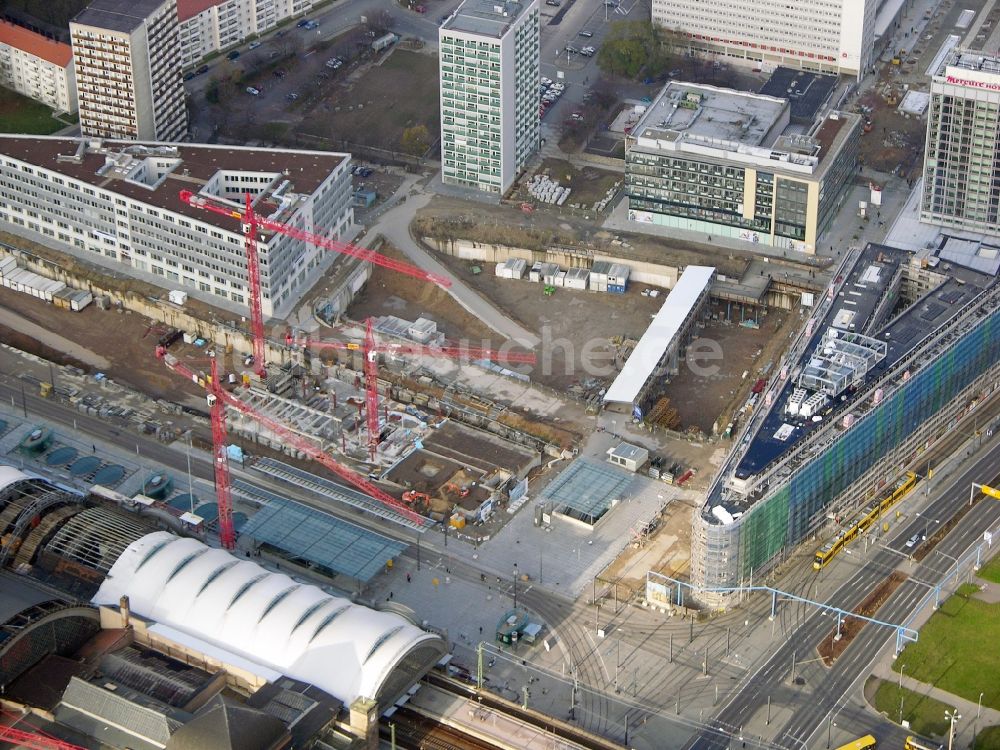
x: 371, y: 349
x: 289, y: 437
x: 223, y: 491
x: 33, y: 740
x: 251, y: 223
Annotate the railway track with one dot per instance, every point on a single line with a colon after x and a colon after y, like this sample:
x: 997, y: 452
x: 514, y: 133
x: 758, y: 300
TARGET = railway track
x: 557, y: 728
x: 416, y: 732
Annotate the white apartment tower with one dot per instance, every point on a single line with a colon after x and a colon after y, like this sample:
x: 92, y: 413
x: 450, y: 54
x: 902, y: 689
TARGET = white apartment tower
x: 38, y: 67
x: 128, y: 75
x: 832, y: 36
x: 208, y: 26
x: 961, y: 175
x: 489, y: 92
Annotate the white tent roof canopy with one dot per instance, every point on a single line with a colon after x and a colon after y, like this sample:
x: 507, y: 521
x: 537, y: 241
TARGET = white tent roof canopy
x: 268, y: 618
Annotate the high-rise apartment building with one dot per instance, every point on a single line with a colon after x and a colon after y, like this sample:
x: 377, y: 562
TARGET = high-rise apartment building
x: 961, y: 175
x: 128, y: 74
x: 116, y: 204
x: 208, y: 26
x: 835, y: 36
x: 489, y: 92
x: 38, y: 67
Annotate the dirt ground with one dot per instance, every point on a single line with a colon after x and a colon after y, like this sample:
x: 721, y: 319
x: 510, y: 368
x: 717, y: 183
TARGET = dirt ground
x: 703, y: 400
x: 575, y: 326
x: 391, y: 293
x: 130, y: 351
x: 375, y: 107
x: 667, y: 550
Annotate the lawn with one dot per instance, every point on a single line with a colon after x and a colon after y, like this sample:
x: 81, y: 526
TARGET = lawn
x: 388, y: 98
x: 988, y: 739
x: 957, y: 649
x: 926, y: 715
x: 19, y: 114
x: 991, y: 570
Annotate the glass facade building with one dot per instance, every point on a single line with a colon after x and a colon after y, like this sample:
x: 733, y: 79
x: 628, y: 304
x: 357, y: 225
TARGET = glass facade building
x: 711, y: 160
x: 961, y: 185
x: 922, y: 405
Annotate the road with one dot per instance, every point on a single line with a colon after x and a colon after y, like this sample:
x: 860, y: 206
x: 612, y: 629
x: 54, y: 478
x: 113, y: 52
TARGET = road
x: 819, y: 701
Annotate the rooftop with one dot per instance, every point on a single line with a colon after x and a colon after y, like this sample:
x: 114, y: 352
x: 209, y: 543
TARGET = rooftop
x: 740, y: 127
x: 806, y: 92
x: 973, y: 62
x: 645, y: 358
x: 35, y: 44
x: 117, y: 166
x: 709, y: 112
x: 117, y: 15
x: 491, y: 18
x: 862, y: 309
x: 190, y: 8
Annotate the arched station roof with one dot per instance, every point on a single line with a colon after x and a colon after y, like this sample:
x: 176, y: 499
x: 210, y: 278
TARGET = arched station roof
x: 297, y: 629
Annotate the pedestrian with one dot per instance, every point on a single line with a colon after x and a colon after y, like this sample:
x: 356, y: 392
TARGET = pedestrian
x: 93, y: 448
x: 390, y: 596
x: 408, y: 578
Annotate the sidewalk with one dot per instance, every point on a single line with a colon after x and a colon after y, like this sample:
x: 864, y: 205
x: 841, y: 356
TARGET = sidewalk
x: 394, y: 225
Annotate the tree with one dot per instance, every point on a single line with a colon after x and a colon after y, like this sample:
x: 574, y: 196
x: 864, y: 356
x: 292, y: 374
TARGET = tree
x: 415, y: 140
x: 634, y: 46
x: 622, y: 57
x: 379, y: 22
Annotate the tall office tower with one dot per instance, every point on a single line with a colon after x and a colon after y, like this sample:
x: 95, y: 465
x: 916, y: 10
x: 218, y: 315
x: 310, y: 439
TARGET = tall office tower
x: 128, y: 77
x: 489, y: 92
x: 833, y: 36
x: 962, y: 159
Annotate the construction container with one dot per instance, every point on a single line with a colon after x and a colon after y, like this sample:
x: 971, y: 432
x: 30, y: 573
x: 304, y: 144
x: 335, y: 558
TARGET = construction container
x: 618, y: 275
x: 549, y: 273
x: 577, y: 278
x: 177, y: 297
x: 535, y: 274
x: 560, y: 279
x: 599, y: 276
x: 457, y: 521
x: 422, y: 330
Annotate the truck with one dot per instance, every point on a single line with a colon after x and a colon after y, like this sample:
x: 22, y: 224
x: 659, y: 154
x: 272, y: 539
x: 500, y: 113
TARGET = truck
x: 384, y: 41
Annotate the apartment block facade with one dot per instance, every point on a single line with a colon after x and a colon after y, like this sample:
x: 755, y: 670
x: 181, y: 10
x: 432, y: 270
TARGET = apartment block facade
x: 489, y: 69
x: 128, y: 72
x: 207, y: 26
x: 961, y: 186
x: 116, y: 204
x: 38, y: 67
x: 717, y: 161
x: 832, y: 36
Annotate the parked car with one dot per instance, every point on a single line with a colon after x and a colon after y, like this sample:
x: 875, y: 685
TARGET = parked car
x: 420, y: 8
x: 233, y: 55
x: 254, y: 45
x: 280, y: 73
x: 202, y: 70
x: 586, y: 34
x: 311, y: 25
x: 545, y: 81
x: 253, y: 91
x: 302, y: 24
x: 587, y: 51
x: 189, y: 75
x: 553, y: 3
x: 292, y: 96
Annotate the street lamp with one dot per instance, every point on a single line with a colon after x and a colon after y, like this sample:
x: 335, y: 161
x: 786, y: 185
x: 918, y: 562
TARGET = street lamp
x: 951, y: 717
x: 515, y: 585
x: 901, y: 676
x: 975, y: 726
